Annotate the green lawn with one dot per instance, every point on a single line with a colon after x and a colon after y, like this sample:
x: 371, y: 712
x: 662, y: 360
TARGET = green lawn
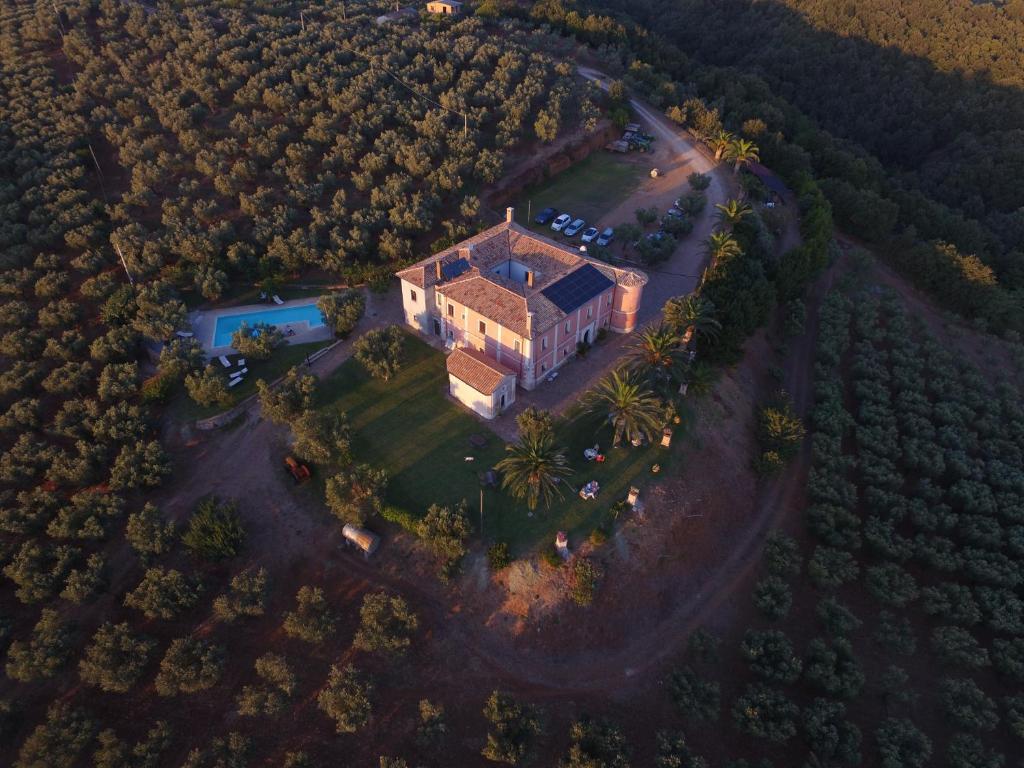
x: 184, y: 408
x: 409, y: 427
x: 588, y: 190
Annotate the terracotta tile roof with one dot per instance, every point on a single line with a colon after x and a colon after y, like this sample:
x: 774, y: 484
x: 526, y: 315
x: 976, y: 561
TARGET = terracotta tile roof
x: 476, y: 369
x: 502, y: 300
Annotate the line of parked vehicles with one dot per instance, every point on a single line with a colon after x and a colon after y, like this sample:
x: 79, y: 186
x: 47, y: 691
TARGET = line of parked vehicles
x: 571, y: 227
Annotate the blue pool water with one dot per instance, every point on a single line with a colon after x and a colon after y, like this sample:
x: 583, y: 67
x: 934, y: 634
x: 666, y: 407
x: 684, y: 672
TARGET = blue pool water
x: 228, y: 324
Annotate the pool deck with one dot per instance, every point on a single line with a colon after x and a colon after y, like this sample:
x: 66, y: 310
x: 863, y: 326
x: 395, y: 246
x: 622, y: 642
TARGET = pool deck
x: 205, y: 323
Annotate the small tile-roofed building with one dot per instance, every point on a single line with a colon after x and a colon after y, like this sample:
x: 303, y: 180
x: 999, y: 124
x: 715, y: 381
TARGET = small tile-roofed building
x: 518, y: 298
x: 445, y: 7
x: 479, y: 382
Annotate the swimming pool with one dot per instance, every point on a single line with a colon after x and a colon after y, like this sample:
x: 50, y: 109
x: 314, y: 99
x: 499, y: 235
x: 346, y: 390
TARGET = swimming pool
x: 228, y: 324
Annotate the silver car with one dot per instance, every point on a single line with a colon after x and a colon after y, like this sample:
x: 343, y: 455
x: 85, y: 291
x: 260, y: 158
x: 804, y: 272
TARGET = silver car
x: 559, y: 223
x: 588, y: 234
x: 575, y: 227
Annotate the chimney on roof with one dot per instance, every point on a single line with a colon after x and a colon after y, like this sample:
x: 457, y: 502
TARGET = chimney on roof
x: 465, y: 253
x: 437, y: 269
x: 529, y: 278
x: 509, y: 213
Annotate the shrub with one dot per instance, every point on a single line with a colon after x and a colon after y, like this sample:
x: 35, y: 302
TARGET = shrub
x: 269, y: 697
x: 445, y: 531
x: 432, y: 727
x: 385, y: 624
x: 766, y: 713
x: 83, y: 583
x: 257, y: 341
x: 773, y: 597
x: 57, y: 742
x: 770, y: 655
x: 208, y: 388
x: 891, y: 584
x: 1015, y: 714
x: 380, y: 351
x: 163, y: 594
x: 114, y: 753
x: 595, y: 743
x: 312, y: 620
x: 955, y: 646
x: 695, y: 698
x: 189, y: 666
x: 837, y: 619
x: 782, y: 554
x: 343, y: 310
x: 831, y: 737
x: 966, y: 705
x: 699, y: 181
x: 346, y: 699
x: 584, y: 580
x: 831, y: 568
x: 779, y: 429
x: 353, y: 494
x: 246, y: 597
x: 834, y: 668
x: 498, y: 557
x: 513, y: 729
x: 115, y: 659
x: 292, y: 397
x: 148, y: 533
x: 894, y: 634
x: 967, y: 751
x: 231, y: 751
x: 214, y: 531
x: 44, y: 654
x: 901, y: 744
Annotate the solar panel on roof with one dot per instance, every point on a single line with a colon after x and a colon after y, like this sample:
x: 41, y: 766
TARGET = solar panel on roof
x: 454, y: 268
x: 577, y: 288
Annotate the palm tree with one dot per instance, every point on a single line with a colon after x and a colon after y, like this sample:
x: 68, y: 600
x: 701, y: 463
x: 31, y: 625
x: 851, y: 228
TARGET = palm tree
x: 632, y: 408
x: 691, y: 316
x: 721, y: 246
x: 720, y: 142
x: 656, y: 353
x: 533, y: 468
x: 741, y: 152
x: 732, y: 213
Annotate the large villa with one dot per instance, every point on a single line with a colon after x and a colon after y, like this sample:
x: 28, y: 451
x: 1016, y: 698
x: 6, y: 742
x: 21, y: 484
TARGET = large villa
x: 513, y: 306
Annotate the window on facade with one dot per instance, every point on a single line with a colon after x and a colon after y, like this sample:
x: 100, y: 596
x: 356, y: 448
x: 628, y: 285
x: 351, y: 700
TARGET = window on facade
x: 544, y: 343
x: 516, y: 345
x: 451, y: 310
x: 565, y: 352
x: 566, y: 326
x: 483, y: 327
x: 439, y: 299
x: 590, y: 311
x: 412, y: 295
x: 543, y: 367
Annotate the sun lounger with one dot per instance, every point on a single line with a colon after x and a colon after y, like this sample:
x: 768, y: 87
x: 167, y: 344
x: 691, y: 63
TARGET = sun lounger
x: 224, y: 361
x: 234, y: 381
x: 277, y: 299
x: 241, y: 362
x: 184, y: 334
x: 239, y: 373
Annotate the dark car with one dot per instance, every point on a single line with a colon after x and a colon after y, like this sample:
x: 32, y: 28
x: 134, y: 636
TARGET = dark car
x: 545, y: 216
x: 606, y: 236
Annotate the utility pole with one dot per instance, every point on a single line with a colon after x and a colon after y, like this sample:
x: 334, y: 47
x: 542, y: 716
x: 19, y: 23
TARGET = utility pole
x: 124, y: 263
x: 481, y: 512
x: 302, y: 19
x: 465, y: 125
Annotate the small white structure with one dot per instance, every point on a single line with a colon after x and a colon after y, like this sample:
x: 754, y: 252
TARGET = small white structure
x: 634, y: 494
x: 361, y: 539
x: 445, y: 7
x: 562, y: 544
x: 479, y: 382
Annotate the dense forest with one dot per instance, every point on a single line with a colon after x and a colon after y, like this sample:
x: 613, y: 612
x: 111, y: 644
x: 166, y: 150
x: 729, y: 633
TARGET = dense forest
x: 908, y: 113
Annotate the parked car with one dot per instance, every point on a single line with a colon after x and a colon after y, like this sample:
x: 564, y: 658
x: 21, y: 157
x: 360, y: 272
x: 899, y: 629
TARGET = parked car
x: 606, y: 236
x: 575, y: 227
x: 559, y: 224
x: 545, y: 216
x: 675, y: 212
x: 588, y: 234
